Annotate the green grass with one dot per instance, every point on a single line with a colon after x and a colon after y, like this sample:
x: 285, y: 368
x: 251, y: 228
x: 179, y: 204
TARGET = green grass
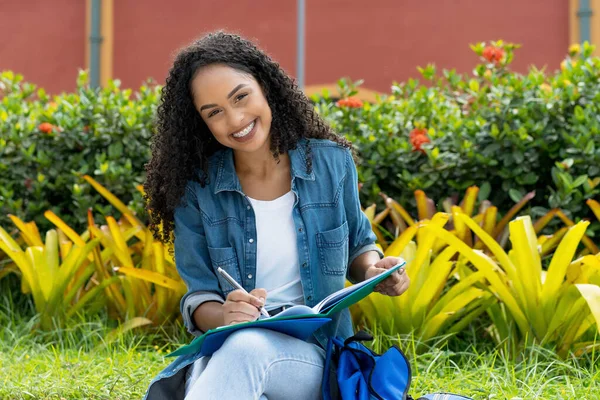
x: 75, y: 363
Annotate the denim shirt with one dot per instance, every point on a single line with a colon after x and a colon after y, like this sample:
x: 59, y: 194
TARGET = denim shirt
x: 215, y: 227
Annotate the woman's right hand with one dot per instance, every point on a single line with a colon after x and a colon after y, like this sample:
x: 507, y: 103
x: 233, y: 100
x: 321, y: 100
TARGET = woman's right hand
x: 243, y: 307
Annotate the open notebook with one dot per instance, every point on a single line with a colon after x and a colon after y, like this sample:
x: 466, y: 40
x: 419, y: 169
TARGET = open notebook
x: 299, y: 321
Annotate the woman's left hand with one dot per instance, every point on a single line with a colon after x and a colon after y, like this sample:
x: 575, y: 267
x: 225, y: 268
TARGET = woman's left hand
x: 395, y: 284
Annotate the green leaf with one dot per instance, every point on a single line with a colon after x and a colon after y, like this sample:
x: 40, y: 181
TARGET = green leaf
x: 515, y: 195
x: 580, y: 181
x: 579, y: 114
x: 484, y: 191
x: 474, y: 85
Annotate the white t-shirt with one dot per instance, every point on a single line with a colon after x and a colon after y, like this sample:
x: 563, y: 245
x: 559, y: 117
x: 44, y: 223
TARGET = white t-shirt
x: 277, y: 267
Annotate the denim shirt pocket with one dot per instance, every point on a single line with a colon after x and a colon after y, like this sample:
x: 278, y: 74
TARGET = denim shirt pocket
x: 333, y: 250
x: 226, y: 258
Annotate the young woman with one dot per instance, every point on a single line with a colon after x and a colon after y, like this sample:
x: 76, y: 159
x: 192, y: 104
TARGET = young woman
x: 248, y: 178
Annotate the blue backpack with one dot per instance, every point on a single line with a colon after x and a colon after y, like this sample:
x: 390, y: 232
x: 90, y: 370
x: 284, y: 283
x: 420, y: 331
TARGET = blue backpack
x: 353, y: 372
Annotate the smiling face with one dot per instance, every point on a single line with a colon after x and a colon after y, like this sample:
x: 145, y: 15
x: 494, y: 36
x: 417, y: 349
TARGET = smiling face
x: 233, y: 106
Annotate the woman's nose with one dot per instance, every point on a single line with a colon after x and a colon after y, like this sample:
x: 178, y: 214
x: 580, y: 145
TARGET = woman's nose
x: 236, y: 120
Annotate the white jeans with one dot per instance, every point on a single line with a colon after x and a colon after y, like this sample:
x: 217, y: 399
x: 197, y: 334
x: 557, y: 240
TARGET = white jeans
x: 258, y: 364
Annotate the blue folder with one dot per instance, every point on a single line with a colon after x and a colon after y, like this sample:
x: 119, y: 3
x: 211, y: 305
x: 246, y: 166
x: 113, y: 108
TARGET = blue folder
x: 297, y: 321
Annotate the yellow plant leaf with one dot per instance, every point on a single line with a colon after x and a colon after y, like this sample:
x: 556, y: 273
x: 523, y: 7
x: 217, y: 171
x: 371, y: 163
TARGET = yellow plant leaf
x: 112, y: 199
x: 154, y: 277
x: 489, y: 222
x: 454, y: 292
x: 380, y: 216
x: 494, y: 247
x: 585, y: 325
x: 426, y: 242
x: 577, y: 317
x: 458, y: 303
x: 526, y: 258
x: 162, y: 295
x: 563, y: 312
x: 584, y: 269
x: 595, y: 206
x: 29, y: 275
x: 93, y: 293
x: 10, y: 243
x: 31, y: 238
x: 123, y: 257
x: 35, y: 255
x: 142, y: 232
x: 511, y: 213
x: 397, y: 246
x: 427, y: 286
x: 393, y: 204
x: 115, y: 231
x: 421, y: 200
x: 560, y: 262
x: 65, y: 244
x: 51, y: 253
x: 469, y: 200
x: 75, y: 258
x: 487, y: 268
x: 370, y: 212
x: 60, y: 224
x: 550, y: 243
x: 591, y: 294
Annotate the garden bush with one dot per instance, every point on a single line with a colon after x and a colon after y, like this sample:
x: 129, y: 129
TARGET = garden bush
x: 48, y: 143
x: 509, y: 134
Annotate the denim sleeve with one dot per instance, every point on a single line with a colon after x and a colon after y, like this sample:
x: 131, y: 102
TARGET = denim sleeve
x: 193, y: 261
x: 361, y: 237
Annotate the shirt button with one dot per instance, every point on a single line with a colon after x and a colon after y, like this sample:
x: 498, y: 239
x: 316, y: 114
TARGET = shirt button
x: 249, y: 276
x: 304, y: 265
x: 248, y: 207
x: 251, y: 240
x: 309, y: 298
x: 299, y: 229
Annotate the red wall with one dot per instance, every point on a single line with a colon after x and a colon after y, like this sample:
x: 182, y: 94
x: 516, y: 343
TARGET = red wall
x: 160, y: 29
x: 44, y: 41
x: 379, y: 40
x: 385, y: 40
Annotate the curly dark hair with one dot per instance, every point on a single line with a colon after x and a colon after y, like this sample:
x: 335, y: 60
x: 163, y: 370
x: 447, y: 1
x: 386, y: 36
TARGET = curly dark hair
x: 183, y: 143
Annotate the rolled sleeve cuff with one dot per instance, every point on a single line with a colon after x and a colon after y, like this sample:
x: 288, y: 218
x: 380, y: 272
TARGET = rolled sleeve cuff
x: 358, y: 252
x: 190, y: 304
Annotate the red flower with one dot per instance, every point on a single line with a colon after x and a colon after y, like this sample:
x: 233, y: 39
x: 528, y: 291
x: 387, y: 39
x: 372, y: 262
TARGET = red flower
x: 351, y: 102
x: 28, y: 183
x: 46, y: 127
x: 493, y: 54
x: 418, y: 137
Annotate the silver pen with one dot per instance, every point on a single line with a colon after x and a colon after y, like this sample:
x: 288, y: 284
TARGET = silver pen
x: 236, y: 285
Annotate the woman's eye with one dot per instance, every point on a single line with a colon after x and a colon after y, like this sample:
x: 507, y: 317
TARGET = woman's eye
x: 241, y: 96
x: 215, y: 112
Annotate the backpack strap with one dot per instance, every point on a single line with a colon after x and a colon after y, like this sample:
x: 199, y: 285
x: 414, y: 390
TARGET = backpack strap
x: 360, y: 336
x: 329, y: 386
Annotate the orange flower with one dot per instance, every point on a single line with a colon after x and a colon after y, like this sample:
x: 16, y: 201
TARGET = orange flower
x: 493, y: 54
x: 351, y: 102
x: 46, y: 127
x: 418, y: 137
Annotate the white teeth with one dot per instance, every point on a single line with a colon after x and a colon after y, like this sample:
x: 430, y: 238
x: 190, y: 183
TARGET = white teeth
x: 244, y: 131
